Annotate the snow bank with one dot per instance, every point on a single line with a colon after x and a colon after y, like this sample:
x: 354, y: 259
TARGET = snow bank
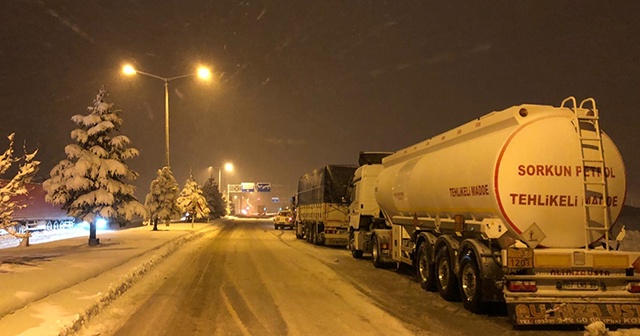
x: 127, y: 282
x: 600, y: 329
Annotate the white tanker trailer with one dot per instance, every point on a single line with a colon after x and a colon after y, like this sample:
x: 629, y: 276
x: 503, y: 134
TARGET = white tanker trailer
x: 515, y: 206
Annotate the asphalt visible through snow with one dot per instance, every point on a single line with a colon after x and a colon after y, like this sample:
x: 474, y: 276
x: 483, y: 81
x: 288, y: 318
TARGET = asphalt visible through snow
x: 248, y: 279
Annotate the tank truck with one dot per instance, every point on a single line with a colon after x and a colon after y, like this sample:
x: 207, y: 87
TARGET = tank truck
x: 516, y: 206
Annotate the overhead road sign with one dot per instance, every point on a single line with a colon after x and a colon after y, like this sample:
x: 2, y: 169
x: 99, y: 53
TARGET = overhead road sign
x: 234, y: 188
x: 263, y: 186
x: 248, y: 186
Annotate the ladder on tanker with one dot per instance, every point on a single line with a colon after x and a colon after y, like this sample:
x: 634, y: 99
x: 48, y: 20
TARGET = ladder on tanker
x: 595, y: 188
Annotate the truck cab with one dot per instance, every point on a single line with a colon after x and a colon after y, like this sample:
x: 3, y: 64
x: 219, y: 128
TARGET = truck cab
x: 364, y: 211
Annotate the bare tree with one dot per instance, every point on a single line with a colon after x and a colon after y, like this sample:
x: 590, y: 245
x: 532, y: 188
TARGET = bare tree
x: 14, y: 187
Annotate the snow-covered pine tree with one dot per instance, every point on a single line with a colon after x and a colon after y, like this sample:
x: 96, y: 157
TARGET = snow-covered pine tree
x: 215, y: 200
x: 192, y: 201
x: 93, y: 181
x: 231, y: 207
x: 15, y: 186
x: 162, y: 200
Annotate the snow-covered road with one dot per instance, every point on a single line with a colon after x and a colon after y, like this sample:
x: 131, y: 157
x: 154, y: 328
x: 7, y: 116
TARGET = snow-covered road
x: 249, y: 279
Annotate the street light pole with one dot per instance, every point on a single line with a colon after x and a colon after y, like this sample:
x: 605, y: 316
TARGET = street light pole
x: 166, y: 122
x: 228, y: 167
x: 203, y: 73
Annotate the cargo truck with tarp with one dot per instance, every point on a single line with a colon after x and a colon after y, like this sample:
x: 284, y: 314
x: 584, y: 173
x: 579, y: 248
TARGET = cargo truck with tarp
x: 322, y: 209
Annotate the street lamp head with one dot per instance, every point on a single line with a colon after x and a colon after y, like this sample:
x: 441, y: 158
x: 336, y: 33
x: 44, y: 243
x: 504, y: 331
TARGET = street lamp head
x: 204, y: 73
x: 129, y: 70
x: 228, y: 166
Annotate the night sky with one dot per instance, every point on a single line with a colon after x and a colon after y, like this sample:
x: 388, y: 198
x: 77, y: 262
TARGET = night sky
x: 301, y: 84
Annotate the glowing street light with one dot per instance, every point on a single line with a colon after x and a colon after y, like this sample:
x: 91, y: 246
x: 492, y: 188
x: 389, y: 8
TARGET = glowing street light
x: 227, y: 167
x: 202, y: 73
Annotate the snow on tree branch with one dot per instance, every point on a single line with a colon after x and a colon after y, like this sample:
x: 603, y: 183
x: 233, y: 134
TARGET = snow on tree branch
x: 191, y: 199
x: 93, y: 181
x: 161, y: 202
x: 15, y: 186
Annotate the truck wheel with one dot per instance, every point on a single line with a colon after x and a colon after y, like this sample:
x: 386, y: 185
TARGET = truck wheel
x: 314, y: 235
x: 447, y: 282
x: 309, y: 233
x: 470, y: 284
x: 375, y: 252
x: 425, y: 271
x: 356, y: 254
x: 352, y: 246
x: 319, y: 233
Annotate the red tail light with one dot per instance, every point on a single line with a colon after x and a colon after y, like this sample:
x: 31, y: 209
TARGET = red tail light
x: 633, y: 287
x: 522, y: 286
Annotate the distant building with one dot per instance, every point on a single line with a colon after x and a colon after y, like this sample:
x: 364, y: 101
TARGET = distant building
x: 38, y: 214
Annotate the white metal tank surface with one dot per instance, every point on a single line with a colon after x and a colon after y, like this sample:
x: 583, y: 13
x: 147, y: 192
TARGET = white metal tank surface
x: 522, y: 165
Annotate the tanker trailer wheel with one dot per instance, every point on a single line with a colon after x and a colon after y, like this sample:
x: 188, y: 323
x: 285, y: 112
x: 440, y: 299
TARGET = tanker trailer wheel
x: 447, y: 282
x: 375, y: 252
x: 352, y: 246
x: 470, y: 284
x: 425, y: 271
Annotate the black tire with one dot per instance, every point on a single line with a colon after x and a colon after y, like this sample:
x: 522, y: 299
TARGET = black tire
x: 352, y: 246
x: 445, y: 277
x: 425, y: 270
x: 313, y: 235
x: 470, y: 284
x: 308, y: 232
x: 319, y: 233
x: 375, y: 252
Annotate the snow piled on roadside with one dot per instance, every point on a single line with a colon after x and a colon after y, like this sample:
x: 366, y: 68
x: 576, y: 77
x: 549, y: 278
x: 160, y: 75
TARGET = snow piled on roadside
x: 126, y: 283
x: 39, y: 237
x: 600, y: 329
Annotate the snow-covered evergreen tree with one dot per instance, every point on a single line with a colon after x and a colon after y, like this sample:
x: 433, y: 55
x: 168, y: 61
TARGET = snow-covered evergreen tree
x: 162, y: 200
x: 93, y: 182
x: 192, y: 201
x: 231, y: 207
x: 215, y: 200
x: 15, y: 186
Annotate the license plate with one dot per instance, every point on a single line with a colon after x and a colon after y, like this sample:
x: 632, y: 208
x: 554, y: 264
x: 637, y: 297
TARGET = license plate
x: 519, y: 258
x: 580, y: 285
x: 581, y: 313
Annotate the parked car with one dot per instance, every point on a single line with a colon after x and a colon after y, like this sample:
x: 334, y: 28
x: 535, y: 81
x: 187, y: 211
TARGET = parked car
x: 283, y: 219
